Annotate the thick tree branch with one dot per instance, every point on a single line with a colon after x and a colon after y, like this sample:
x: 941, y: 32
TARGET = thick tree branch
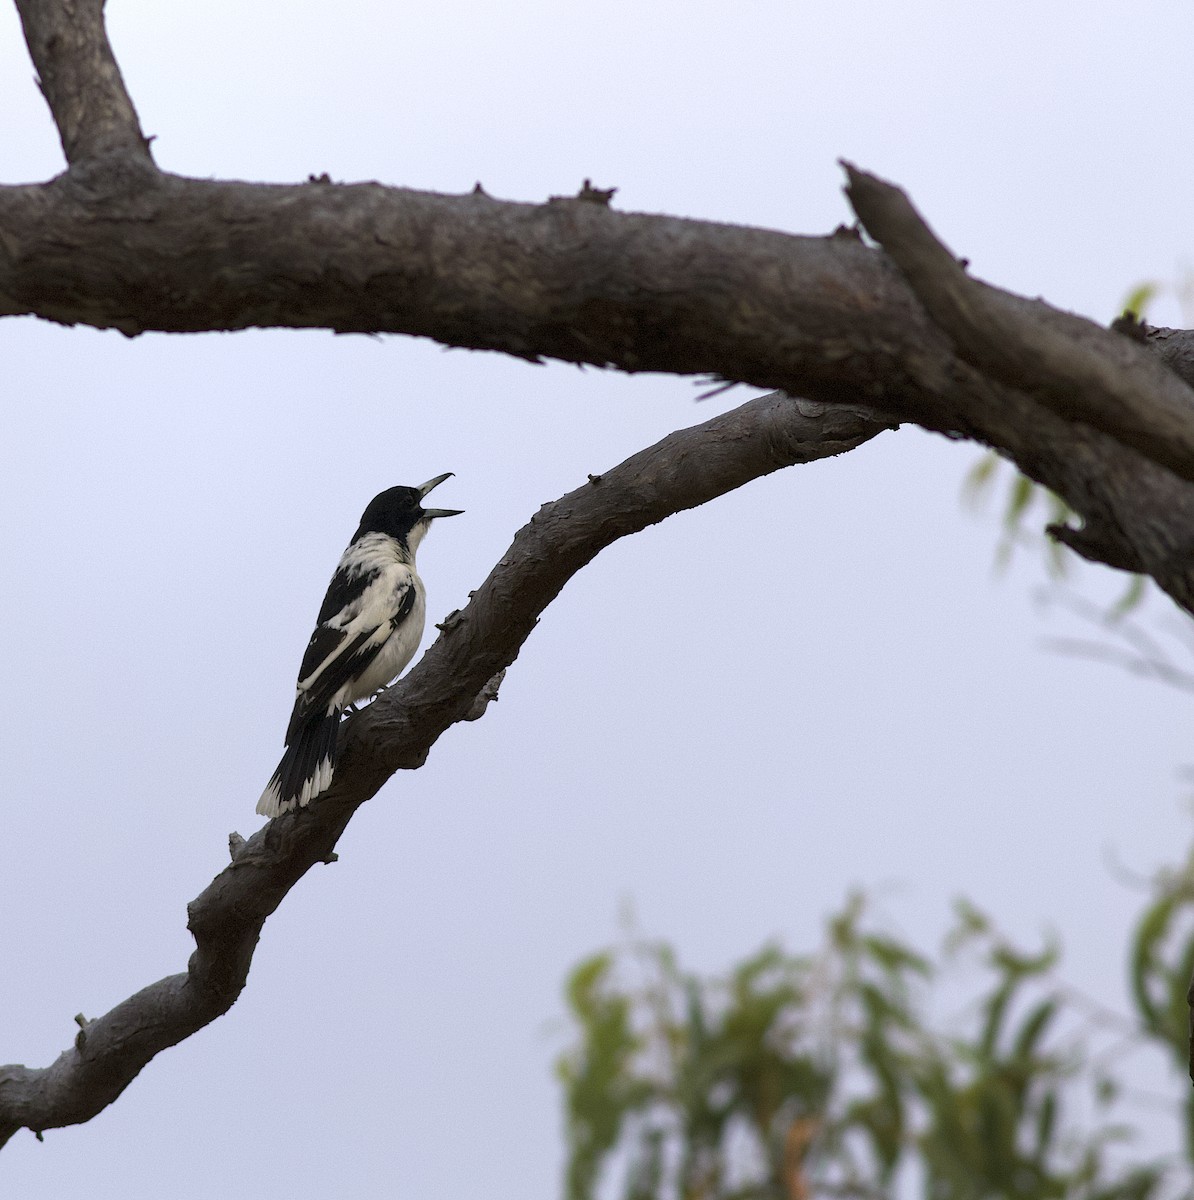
x: 81, y: 81
x: 1175, y: 348
x: 121, y: 245
x: 684, y: 470
x: 1069, y: 364
x: 827, y: 318
x: 569, y: 279
x: 128, y: 247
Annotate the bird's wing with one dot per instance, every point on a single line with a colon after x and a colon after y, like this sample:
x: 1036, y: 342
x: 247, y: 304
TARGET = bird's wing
x: 358, y: 615
x: 346, y: 594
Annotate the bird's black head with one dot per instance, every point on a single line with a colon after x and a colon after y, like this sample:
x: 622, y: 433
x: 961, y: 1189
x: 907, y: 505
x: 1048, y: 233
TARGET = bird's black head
x: 399, y: 512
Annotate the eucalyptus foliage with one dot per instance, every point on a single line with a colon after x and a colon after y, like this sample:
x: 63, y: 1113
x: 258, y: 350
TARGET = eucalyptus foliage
x: 843, y: 1073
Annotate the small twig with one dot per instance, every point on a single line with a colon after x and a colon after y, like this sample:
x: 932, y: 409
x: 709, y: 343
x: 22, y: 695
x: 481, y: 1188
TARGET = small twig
x: 81, y: 1036
x: 717, y: 391
x: 1135, y: 663
x: 1144, y: 654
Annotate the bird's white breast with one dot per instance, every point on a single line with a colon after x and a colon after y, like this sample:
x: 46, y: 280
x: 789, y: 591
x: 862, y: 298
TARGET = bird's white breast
x: 394, y: 577
x: 400, y: 645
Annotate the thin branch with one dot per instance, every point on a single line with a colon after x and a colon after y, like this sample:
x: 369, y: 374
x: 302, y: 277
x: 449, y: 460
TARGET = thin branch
x: 1137, y: 664
x: 1073, y: 366
x: 1115, y: 623
x: 80, y: 80
x: 1140, y: 652
x: 397, y: 731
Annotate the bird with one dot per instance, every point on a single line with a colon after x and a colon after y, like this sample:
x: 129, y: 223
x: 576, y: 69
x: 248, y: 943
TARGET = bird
x: 367, y: 631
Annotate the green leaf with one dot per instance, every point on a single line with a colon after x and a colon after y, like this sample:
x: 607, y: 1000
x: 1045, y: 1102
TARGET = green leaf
x: 1137, y: 301
x: 970, y: 925
x: 978, y: 479
x: 1046, y: 1124
x: 1150, y: 932
x: 1133, y: 595
x: 894, y: 957
x: 1033, y: 1028
x: 1017, y: 965
x: 996, y: 1009
x: 690, y: 1087
x: 1019, y: 498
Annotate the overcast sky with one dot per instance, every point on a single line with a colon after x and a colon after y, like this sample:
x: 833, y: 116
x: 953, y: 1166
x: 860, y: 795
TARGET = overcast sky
x: 872, y: 706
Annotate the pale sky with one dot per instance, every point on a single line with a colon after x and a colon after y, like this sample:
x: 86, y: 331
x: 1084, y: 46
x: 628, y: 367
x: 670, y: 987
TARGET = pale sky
x: 860, y: 701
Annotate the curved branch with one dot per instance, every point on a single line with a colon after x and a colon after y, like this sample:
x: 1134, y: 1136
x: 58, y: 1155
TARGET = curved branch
x: 682, y: 471
x: 80, y: 80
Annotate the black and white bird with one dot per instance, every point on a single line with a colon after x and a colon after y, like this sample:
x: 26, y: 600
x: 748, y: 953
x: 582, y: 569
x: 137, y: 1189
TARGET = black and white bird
x: 367, y: 631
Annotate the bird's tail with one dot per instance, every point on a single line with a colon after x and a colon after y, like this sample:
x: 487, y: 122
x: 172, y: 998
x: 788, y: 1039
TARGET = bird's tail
x: 306, y: 768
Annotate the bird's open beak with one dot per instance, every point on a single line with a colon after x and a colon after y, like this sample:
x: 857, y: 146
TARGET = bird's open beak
x: 432, y: 484
x: 438, y: 512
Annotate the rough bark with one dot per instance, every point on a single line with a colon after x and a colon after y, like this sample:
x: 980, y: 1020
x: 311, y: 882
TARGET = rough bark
x: 1175, y: 347
x: 827, y: 318
x: 1063, y: 362
x: 80, y: 80
x: 870, y: 336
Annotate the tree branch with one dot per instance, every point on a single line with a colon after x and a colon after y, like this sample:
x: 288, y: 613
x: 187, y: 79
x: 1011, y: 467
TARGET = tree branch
x: 80, y: 80
x: 1079, y: 370
x: 117, y: 244
x: 120, y: 245
x: 397, y: 731
x: 826, y: 318
x: 131, y: 248
x: 1175, y: 348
